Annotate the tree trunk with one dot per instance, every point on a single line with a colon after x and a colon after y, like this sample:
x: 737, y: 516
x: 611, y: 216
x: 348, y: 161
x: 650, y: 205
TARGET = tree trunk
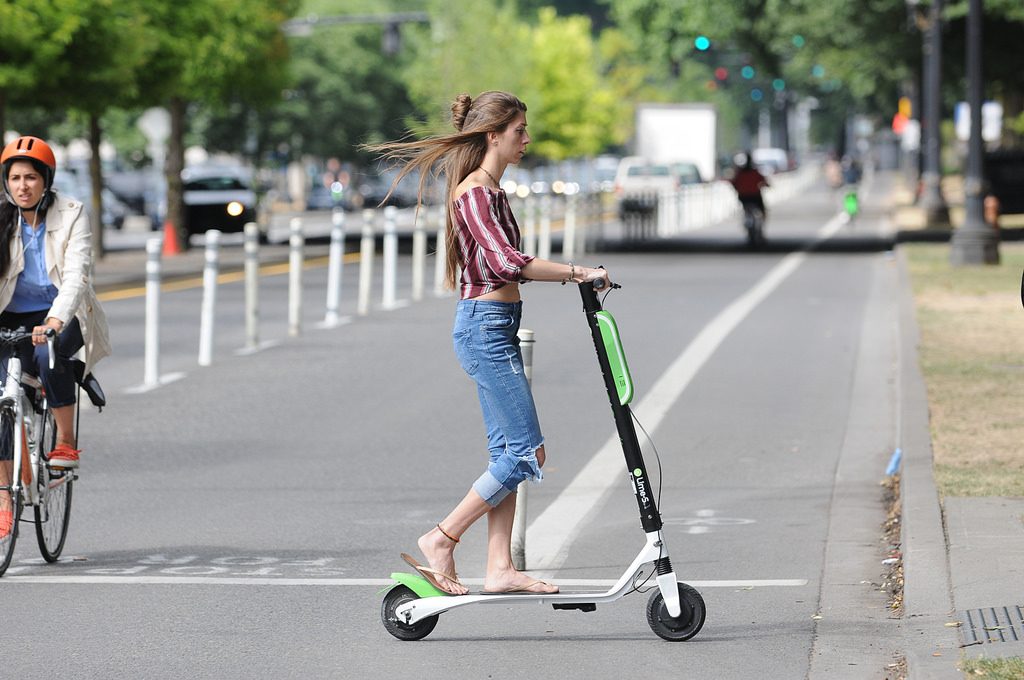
x: 96, y: 174
x: 175, y: 164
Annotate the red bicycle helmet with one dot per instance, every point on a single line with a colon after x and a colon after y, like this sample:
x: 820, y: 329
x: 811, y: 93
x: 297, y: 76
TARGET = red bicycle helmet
x: 36, y: 151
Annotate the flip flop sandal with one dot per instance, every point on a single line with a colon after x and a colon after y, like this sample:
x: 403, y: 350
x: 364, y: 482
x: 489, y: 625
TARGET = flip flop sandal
x: 520, y: 590
x: 431, y: 574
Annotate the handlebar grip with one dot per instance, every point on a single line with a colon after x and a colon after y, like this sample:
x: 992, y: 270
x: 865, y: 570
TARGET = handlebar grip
x: 599, y: 284
x: 51, y: 343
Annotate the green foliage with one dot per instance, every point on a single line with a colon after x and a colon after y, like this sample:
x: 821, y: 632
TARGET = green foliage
x: 575, y: 110
x: 554, y: 65
x: 216, y: 51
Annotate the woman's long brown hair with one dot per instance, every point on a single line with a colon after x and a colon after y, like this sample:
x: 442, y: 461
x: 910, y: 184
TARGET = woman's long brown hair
x: 454, y: 155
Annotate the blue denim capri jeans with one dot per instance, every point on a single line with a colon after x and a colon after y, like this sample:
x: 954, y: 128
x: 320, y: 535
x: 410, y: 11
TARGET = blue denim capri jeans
x: 487, y: 346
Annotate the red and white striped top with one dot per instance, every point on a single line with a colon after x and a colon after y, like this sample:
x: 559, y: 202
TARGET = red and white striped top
x: 489, y: 242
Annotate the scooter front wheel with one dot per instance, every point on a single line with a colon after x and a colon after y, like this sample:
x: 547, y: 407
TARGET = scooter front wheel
x: 394, y: 599
x: 683, y: 627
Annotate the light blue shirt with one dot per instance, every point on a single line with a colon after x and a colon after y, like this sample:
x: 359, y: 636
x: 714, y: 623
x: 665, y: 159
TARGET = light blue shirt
x: 34, y: 291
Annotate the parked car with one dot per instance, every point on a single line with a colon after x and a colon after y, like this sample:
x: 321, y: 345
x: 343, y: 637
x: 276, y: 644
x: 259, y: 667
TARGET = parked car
x: 686, y: 173
x: 637, y: 181
x: 329, y: 198
x: 771, y: 161
x: 114, y: 210
x: 217, y: 198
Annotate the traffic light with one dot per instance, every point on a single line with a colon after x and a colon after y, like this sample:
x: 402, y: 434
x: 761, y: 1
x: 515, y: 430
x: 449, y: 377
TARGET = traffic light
x: 702, y: 43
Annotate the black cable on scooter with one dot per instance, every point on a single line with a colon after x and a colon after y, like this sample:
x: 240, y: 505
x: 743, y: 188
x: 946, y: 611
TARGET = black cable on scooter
x: 657, y: 456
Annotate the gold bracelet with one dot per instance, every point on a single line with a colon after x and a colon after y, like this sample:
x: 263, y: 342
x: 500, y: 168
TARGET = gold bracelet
x: 572, y: 274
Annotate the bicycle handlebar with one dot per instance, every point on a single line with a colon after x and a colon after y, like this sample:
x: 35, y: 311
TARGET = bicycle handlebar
x: 9, y: 336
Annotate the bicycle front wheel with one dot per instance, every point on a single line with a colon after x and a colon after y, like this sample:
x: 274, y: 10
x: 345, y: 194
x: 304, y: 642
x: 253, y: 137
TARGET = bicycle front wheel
x: 10, y: 498
x: 53, y: 513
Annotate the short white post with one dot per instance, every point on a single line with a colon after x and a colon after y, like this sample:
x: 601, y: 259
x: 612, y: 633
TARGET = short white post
x: 530, y: 235
x: 569, y: 233
x: 208, y: 308
x: 440, y: 252
x: 419, y: 257
x: 366, y: 253
x: 252, y: 287
x: 335, y: 268
x: 296, y: 241
x: 544, y: 239
x: 151, y: 376
x: 390, y: 273
x: 519, y: 520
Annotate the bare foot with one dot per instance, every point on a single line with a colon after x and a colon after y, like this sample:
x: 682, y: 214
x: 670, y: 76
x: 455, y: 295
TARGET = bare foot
x: 517, y: 582
x: 439, y: 551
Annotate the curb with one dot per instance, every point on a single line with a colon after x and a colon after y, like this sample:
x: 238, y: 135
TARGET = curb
x: 932, y: 647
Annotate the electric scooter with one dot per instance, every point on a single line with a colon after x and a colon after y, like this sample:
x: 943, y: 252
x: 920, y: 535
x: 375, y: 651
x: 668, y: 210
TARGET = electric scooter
x: 675, y: 611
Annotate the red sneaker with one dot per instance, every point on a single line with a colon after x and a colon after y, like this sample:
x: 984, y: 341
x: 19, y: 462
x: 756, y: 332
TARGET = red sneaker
x: 64, y: 456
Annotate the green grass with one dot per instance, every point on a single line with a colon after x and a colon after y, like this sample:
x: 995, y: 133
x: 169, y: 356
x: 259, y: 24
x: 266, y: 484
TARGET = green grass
x: 995, y: 669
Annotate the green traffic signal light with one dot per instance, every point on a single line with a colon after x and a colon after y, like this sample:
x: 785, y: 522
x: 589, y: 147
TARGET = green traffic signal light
x: 702, y: 43
x: 747, y: 72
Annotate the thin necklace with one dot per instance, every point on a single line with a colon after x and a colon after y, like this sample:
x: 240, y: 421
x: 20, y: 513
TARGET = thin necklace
x: 491, y: 176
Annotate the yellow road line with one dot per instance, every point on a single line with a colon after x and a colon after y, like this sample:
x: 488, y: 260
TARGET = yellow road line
x: 273, y: 269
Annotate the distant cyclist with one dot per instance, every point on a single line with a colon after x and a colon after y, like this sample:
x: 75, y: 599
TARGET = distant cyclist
x: 748, y: 182
x: 851, y: 178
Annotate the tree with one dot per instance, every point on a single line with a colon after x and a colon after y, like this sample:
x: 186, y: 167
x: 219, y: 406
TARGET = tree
x: 554, y: 66
x: 98, y: 71
x: 215, y: 52
x: 32, y: 40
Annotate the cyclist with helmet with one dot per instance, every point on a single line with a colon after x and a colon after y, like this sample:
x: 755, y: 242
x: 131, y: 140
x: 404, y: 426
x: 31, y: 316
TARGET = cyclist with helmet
x: 748, y: 182
x: 45, y: 270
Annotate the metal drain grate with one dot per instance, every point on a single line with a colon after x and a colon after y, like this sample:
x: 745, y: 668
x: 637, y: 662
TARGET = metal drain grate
x: 993, y: 624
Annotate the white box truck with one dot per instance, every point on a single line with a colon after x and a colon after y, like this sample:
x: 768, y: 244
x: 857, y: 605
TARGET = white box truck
x: 679, y: 133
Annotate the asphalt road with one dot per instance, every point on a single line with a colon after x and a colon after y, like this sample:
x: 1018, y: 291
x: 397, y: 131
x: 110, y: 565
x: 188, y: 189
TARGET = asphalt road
x: 239, y: 522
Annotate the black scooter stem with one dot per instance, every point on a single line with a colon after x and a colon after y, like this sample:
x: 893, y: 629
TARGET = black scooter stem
x: 650, y: 518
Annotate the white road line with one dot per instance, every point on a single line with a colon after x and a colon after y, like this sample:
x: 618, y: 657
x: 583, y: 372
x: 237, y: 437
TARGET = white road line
x: 336, y: 582
x: 551, y: 534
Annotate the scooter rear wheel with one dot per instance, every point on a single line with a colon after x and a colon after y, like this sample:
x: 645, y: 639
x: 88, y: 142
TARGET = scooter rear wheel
x: 395, y: 598
x: 683, y: 627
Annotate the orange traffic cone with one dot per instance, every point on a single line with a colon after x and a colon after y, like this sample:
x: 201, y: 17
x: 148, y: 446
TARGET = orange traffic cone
x: 171, y: 245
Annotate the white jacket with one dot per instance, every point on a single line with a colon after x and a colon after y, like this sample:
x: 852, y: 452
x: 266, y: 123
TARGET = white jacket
x: 69, y: 266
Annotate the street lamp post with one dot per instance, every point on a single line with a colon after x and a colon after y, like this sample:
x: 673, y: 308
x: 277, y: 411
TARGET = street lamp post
x: 974, y: 242
x: 932, y: 202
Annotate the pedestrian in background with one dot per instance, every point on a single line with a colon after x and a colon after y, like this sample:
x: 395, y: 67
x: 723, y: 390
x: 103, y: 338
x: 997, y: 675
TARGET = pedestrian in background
x: 45, y: 281
x: 483, y: 240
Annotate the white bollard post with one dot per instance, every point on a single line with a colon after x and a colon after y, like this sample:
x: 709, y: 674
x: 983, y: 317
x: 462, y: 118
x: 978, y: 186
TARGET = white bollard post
x: 440, y: 252
x: 252, y: 287
x: 419, y: 257
x: 207, y: 311
x: 569, y: 233
x: 296, y: 241
x: 390, y: 272
x: 151, y: 375
x: 519, y: 520
x: 367, y: 248
x: 544, y: 238
x: 530, y: 234
x: 335, y: 268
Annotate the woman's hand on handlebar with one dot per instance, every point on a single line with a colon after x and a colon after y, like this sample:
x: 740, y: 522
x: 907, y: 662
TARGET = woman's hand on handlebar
x: 598, y: 277
x: 51, y: 326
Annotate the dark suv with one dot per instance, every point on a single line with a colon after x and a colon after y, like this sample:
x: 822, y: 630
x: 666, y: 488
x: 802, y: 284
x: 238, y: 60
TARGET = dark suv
x: 217, y: 198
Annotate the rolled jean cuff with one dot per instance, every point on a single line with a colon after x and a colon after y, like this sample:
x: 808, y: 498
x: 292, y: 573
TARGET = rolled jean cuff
x: 504, y: 475
x: 490, y: 489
